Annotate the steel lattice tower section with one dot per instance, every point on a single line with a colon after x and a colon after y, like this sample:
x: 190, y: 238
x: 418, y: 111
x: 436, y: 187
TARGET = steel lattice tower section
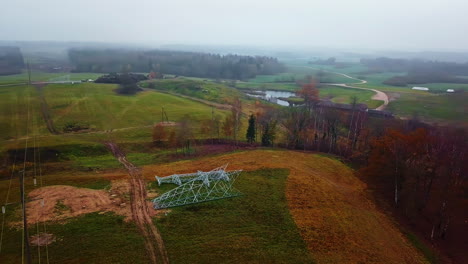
x: 197, y: 187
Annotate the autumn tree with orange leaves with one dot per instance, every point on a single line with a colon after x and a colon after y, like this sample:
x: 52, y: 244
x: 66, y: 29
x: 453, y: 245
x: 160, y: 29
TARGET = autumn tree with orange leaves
x: 309, y: 93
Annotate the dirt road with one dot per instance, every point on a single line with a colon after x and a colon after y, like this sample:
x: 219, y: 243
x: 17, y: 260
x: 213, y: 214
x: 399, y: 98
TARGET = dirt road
x: 379, y: 95
x: 140, y: 209
x: 45, y: 110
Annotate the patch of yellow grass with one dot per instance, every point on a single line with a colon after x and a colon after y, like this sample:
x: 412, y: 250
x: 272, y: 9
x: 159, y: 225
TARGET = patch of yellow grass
x: 337, y: 220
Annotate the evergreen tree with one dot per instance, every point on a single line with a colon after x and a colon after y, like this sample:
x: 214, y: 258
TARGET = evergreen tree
x: 251, y: 129
x: 269, y: 134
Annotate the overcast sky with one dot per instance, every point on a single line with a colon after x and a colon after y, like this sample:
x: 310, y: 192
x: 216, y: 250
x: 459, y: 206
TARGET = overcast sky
x: 367, y: 24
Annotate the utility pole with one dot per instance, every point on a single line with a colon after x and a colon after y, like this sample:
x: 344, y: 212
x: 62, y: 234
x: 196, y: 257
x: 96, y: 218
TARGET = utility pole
x: 212, y: 125
x: 164, y: 115
x: 29, y: 72
x: 25, y: 220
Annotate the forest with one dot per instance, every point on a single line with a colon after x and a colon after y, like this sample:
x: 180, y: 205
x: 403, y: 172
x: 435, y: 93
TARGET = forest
x: 192, y: 64
x: 11, y: 60
x: 418, y: 71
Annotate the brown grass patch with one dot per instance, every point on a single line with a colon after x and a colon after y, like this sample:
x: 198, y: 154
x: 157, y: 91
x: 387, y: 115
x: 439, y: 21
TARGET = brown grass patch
x: 336, y: 218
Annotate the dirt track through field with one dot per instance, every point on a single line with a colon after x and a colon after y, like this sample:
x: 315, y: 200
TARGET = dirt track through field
x: 206, y: 102
x: 45, y: 110
x: 379, y: 95
x: 140, y: 209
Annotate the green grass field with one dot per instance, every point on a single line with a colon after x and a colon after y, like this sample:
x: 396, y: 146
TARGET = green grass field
x: 345, y: 95
x: 45, y: 76
x: 282, y: 77
x: 94, y: 104
x: 432, y: 107
x: 314, y: 71
x: 291, y: 87
x: 442, y: 87
x: 350, y: 68
x: 102, y: 109
x: 376, y: 81
x: 206, y: 90
x: 16, y: 104
x: 253, y: 228
x: 91, y: 238
x: 128, y: 118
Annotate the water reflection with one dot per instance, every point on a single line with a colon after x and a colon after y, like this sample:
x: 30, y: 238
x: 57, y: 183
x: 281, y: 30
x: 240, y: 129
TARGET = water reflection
x: 272, y: 96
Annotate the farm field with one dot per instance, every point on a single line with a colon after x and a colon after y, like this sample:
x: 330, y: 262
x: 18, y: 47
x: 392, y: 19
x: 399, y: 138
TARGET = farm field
x: 442, y: 87
x: 278, y: 78
x: 14, y: 102
x: 99, y: 106
x: 267, y: 86
x: 319, y: 73
x: 345, y: 95
x: 435, y: 106
x: 44, y: 76
x: 206, y: 90
x: 431, y: 107
x: 93, y: 105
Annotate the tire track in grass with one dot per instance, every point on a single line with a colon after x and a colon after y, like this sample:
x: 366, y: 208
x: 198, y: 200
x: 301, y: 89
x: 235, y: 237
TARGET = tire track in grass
x: 45, y: 110
x: 140, y: 209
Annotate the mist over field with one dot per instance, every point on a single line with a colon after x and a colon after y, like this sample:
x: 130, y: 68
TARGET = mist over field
x: 412, y: 25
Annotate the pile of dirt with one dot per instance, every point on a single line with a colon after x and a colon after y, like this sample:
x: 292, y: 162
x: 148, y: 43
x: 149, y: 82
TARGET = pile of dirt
x: 60, y: 202
x: 42, y: 239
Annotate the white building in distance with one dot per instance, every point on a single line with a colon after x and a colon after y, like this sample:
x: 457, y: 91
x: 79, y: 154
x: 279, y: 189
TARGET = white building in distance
x: 420, y: 88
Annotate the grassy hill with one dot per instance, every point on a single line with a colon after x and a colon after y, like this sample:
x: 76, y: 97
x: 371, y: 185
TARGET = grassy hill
x: 329, y: 205
x: 95, y: 106
x: 296, y: 208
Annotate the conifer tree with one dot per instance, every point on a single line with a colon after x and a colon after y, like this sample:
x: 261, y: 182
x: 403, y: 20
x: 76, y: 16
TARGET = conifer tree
x: 251, y: 129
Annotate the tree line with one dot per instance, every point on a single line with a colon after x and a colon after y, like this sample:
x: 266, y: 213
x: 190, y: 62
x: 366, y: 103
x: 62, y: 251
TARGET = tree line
x: 196, y: 64
x: 11, y: 60
x: 127, y: 81
x: 422, y: 170
x: 418, y: 71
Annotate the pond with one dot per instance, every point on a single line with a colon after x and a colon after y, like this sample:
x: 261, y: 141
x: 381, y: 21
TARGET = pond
x: 272, y: 96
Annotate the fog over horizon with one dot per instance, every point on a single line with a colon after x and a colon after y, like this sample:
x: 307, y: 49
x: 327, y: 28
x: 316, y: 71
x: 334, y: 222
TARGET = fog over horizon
x: 415, y: 25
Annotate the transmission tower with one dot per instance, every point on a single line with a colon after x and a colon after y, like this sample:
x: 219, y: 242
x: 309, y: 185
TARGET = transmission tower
x: 197, y: 187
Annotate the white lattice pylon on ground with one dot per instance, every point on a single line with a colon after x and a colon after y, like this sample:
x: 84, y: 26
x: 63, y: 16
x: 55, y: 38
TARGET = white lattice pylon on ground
x: 206, y: 186
x: 179, y: 179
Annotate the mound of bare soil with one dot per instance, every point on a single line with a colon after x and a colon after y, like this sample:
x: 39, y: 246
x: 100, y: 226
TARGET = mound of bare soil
x: 60, y: 202
x: 42, y: 239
